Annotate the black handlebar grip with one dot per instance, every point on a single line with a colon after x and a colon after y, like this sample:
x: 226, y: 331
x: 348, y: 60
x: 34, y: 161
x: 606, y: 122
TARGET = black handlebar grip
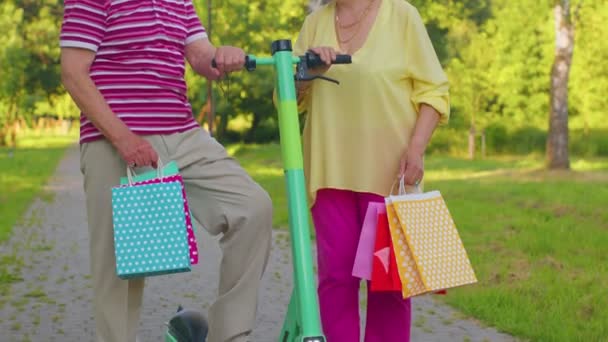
x: 250, y: 64
x: 313, y: 60
x: 343, y: 59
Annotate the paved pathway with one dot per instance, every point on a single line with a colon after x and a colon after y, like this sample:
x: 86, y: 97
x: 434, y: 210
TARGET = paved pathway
x: 52, y: 302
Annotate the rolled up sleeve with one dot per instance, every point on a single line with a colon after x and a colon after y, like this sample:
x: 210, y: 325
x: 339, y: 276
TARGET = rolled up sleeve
x: 430, y: 82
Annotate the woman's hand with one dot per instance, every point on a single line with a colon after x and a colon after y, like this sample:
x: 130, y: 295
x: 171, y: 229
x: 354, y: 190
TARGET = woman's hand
x: 412, y: 166
x: 328, y: 56
x: 412, y: 160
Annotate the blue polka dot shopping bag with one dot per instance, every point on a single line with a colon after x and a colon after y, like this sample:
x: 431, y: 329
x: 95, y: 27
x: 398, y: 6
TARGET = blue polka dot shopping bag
x: 150, y: 230
x: 170, y: 171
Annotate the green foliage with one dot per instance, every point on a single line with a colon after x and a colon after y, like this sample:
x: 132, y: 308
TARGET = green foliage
x: 499, y: 66
x: 497, y: 53
x: 13, y: 61
x: 59, y: 105
x: 252, y: 26
x: 29, y: 62
x: 589, y: 143
x: 589, y: 78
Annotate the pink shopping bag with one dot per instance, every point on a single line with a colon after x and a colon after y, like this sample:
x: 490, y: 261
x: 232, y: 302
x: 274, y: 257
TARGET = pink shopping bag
x: 362, y: 267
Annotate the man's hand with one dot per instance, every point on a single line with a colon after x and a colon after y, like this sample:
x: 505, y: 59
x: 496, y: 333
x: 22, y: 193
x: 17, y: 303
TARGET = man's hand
x: 200, y: 53
x: 228, y: 59
x: 136, y: 151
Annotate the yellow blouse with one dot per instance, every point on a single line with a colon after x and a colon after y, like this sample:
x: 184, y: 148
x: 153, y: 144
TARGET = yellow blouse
x: 356, y: 132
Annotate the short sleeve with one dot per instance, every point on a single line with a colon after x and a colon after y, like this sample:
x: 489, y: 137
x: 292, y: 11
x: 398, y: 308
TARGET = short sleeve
x: 430, y: 83
x: 194, y: 27
x: 84, y: 24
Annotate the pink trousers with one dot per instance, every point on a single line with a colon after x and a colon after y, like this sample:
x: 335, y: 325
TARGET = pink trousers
x: 338, y: 217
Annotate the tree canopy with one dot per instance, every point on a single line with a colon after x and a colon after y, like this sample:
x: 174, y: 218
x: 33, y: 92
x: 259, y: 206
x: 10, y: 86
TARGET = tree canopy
x: 498, y: 55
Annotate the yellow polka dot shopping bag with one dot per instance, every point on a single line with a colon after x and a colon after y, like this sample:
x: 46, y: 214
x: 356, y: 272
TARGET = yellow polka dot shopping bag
x: 430, y: 254
x: 150, y: 229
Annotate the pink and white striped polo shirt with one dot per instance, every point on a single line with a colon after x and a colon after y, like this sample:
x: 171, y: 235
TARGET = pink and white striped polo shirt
x: 139, y: 64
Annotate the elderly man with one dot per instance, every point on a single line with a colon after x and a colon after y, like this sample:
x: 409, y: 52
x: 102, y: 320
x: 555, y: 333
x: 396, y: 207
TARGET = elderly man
x: 123, y: 64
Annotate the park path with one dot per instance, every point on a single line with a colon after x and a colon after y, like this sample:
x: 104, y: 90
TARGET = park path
x: 52, y: 302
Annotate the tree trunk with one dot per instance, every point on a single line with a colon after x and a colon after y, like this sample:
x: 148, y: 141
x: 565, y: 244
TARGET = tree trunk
x: 13, y: 135
x: 250, y: 135
x: 2, y: 136
x: 472, y: 134
x: 557, y: 140
x: 222, y: 127
x: 483, y: 143
x: 10, y: 134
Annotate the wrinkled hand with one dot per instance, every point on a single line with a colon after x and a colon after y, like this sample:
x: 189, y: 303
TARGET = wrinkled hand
x: 228, y: 59
x: 411, y: 167
x: 136, y: 151
x: 327, y: 54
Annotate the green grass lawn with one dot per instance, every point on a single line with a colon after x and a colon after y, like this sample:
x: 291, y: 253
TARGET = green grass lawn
x: 539, y: 244
x: 538, y: 240
x: 23, y: 173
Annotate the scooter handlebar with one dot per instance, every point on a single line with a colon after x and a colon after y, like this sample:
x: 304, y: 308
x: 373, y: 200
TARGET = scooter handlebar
x: 312, y: 60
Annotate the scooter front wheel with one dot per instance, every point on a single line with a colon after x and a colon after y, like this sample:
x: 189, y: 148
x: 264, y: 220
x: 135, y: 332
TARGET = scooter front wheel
x: 187, y: 326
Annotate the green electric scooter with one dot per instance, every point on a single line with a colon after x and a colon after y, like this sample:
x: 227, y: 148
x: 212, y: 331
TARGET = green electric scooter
x: 302, y: 323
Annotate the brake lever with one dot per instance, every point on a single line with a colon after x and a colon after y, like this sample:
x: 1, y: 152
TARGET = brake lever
x: 325, y: 78
x: 303, y: 75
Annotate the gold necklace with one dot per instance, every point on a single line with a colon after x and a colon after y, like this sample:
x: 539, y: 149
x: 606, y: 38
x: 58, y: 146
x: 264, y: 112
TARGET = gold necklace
x: 357, y: 22
x: 363, y: 15
x: 345, y: 41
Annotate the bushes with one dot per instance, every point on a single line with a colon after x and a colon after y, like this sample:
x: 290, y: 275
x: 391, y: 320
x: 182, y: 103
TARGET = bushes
x: 524, y: 140
x: 595, y: 143
x: 453, y: 139
x: 448, y: 140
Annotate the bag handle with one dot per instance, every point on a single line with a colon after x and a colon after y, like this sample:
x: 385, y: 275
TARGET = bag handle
x: 401, y: 181
x: 159, y: 172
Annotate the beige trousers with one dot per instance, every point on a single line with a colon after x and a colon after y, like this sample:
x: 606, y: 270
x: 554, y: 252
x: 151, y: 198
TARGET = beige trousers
x: 222, y: 197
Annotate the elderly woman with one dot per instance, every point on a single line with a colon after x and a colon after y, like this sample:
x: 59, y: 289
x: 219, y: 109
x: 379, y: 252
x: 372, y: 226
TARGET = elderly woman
x: 358, y: 137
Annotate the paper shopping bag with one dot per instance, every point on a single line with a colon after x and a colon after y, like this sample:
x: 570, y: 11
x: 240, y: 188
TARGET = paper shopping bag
x: 362, y: 267
x: 430, y: 253
x: 170, y: 172
x: 149, y: 229
x: 385, y: 276
x: 408, y: 273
